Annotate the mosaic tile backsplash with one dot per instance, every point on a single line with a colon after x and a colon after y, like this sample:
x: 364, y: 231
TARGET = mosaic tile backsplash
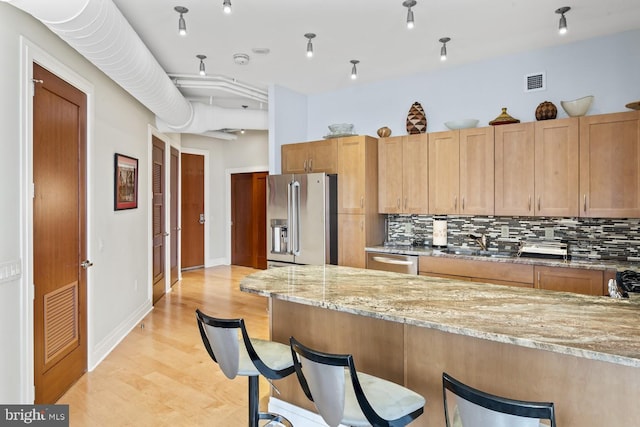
x: 588, y: 238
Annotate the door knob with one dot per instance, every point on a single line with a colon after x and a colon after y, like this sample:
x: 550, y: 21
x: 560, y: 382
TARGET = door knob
x: 86, y: 264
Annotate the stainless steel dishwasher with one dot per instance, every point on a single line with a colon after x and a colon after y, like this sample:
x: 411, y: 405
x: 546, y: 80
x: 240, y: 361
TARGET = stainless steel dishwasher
x: 396, y: 263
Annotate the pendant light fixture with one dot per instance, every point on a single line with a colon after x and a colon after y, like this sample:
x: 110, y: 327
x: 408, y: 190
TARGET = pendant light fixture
x: 562, y: 27
x: 409, y: 4
x: 182, y: 25
x: 309, y: 36
x: 354, y: 70
x: 203, y: 72
x: 226, y: 6
x: 443, y: 49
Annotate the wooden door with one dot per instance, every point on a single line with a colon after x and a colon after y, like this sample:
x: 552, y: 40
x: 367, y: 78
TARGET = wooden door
x: 59, y: 235
x: 556, y: 167
x: 323, y: 156
x: 295, y: 158
x: 158, y: 224
x: 444, y: 178
x: 249, y: 219
x: 477, y: 171
x: 192, y: 205
x: 610, y: 165
x: 351, y: 240
x: 514, y: 169
x: 390, y: 173
x: 174, y: 198
x: 415, y: 174
x: 351, y: 175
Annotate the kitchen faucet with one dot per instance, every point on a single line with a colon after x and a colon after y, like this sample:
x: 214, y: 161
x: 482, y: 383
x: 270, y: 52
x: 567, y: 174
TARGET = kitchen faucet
x: 481, y: 239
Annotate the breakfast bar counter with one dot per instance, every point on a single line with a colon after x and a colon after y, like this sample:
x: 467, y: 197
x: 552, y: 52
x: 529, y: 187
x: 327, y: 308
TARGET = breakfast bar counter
x: 581, y: 352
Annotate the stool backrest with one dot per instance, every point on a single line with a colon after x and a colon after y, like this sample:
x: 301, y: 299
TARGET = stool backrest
x: 465, y: 406
x: 221, y: 339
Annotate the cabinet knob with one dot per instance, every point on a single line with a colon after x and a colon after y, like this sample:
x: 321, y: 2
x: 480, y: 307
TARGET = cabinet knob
x: 305, y: 166
x: 463, y: 203
x: 539, y: 202
x: 529, y: 208
x: 310, y: 165
x: 398, y: 203
x: 585, y: 202
x: 362, y: 201
x: 406, y: 202
x: 455, y: 202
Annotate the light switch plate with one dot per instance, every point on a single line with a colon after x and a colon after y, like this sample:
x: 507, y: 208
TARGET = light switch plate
x: 548, y: 233
x: 504, y: 231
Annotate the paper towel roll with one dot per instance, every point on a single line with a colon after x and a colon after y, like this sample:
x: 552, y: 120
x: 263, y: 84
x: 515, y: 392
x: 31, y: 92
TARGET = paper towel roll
x: 439, y: 232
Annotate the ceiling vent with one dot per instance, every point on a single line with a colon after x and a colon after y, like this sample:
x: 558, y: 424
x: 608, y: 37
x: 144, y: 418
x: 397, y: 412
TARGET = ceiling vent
x: 534, y: 82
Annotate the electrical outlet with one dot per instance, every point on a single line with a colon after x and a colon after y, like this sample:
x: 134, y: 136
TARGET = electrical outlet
x: 548, y: 233
x: 408, y: 227
x: 504, y: 231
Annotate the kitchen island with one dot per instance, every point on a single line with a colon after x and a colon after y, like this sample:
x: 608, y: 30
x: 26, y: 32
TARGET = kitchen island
x: 581, y: 352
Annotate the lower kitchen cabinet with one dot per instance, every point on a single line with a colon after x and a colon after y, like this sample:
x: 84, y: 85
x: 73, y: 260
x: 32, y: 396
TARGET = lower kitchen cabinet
x: 577, y: 280
x: 352, y: 240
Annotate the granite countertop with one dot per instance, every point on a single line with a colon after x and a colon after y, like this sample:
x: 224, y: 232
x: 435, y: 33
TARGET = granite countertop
x: 598, y: 328
x: 596, y: 264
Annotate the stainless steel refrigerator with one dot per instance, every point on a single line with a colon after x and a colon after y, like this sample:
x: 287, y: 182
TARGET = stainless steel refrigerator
x: 302, y: 219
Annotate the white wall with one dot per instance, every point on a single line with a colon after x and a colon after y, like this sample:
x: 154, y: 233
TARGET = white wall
x: 118, y: 241
x: 287, y: 122
x: 249, y: 153
x: 605, y: 67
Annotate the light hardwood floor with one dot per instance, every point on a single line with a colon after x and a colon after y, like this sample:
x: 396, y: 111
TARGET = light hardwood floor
x: 161, y: 375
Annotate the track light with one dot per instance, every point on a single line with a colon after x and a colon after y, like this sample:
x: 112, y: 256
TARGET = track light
x: 409, y: 4
x: 443, y: 49
x: 562, y: 27
x: 309, y: 36
x: 226, y: 6
x: 182, y: 25
x: 203, y: 72
x: 354, y: 70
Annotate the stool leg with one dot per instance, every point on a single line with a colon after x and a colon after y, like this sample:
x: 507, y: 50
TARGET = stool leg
x: 254, y: 400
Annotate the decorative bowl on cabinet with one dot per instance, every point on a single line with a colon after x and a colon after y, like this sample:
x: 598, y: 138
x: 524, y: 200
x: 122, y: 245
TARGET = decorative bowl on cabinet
x: 577, y: 107
x: 461, y: 124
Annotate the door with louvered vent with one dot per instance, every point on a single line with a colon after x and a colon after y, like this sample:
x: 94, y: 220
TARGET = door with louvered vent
x: 59, y: 221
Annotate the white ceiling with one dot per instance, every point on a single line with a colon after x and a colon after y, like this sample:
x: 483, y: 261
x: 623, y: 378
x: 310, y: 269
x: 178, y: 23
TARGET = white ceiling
x: 372, y: 31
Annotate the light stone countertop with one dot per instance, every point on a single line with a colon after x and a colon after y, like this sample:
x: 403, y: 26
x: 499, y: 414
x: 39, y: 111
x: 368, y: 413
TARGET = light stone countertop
x: 597, y: 328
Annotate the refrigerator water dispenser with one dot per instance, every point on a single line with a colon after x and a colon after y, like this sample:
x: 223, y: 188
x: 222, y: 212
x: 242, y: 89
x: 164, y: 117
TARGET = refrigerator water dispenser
x: 279, y: 236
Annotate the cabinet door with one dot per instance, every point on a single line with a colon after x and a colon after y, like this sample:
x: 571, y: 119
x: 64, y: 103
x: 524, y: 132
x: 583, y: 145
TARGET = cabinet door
x: 351, y: 175
x: 390, y: 172
x: 514, y: 173
x: 577, y: 280
x: 351, y: 240
x: 444, y: 165
x: 323, y: 156
x: 295, y: 158
x: 415, y: 174
x: 556, y: 167
x: 477, y: 171
x: 610, y: 165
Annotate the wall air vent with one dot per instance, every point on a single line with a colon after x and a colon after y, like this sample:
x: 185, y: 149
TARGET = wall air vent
x: 534, y: 82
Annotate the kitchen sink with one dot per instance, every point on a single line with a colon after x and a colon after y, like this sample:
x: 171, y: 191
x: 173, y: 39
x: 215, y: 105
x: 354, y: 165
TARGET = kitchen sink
x: 476, y: 252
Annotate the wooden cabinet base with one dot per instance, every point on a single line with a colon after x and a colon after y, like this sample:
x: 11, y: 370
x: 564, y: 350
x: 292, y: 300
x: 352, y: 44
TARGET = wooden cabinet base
x: 586, y: 392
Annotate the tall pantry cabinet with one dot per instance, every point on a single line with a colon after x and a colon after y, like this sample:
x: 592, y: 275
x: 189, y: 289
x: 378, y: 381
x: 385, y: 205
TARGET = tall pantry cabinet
x: 359, y: 223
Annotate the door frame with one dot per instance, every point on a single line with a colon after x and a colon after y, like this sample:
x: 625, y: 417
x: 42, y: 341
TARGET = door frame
x: 30, y: 53
x: 151, y: 132
x: 227, y: 200
x: 207, y: 204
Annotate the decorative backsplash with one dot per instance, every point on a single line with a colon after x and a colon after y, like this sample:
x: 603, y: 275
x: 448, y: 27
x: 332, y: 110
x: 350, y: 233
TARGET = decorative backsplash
x: 589, y: 238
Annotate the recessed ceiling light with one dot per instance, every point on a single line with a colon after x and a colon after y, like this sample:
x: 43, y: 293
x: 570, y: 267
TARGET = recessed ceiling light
x: 261, y: 50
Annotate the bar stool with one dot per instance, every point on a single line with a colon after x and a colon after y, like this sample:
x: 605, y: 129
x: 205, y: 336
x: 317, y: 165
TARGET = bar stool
x: 229, y: 345
x: 470, y: 407
x: 343, y: 396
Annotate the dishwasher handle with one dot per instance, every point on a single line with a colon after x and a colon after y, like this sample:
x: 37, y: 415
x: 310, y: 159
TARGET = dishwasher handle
x: 386, y: 260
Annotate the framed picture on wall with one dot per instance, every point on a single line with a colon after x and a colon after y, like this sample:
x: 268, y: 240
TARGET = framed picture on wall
x: 126, y: 182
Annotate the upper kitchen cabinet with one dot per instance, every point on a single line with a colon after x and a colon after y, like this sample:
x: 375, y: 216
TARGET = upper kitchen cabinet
x: 461, y: 179
x: 610, y: 165
x: 403, y: 174
x: 307, y: 157
x: 357, y: 175
x: 556, y: 167
x: 514, y: 169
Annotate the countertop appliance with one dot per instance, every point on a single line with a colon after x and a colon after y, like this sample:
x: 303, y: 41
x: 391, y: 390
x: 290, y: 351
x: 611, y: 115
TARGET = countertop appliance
x: 302, y: 219
x: 396, y: 263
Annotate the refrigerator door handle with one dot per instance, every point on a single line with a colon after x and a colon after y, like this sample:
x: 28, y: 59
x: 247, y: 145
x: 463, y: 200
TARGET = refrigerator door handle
x: 295, y: 210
